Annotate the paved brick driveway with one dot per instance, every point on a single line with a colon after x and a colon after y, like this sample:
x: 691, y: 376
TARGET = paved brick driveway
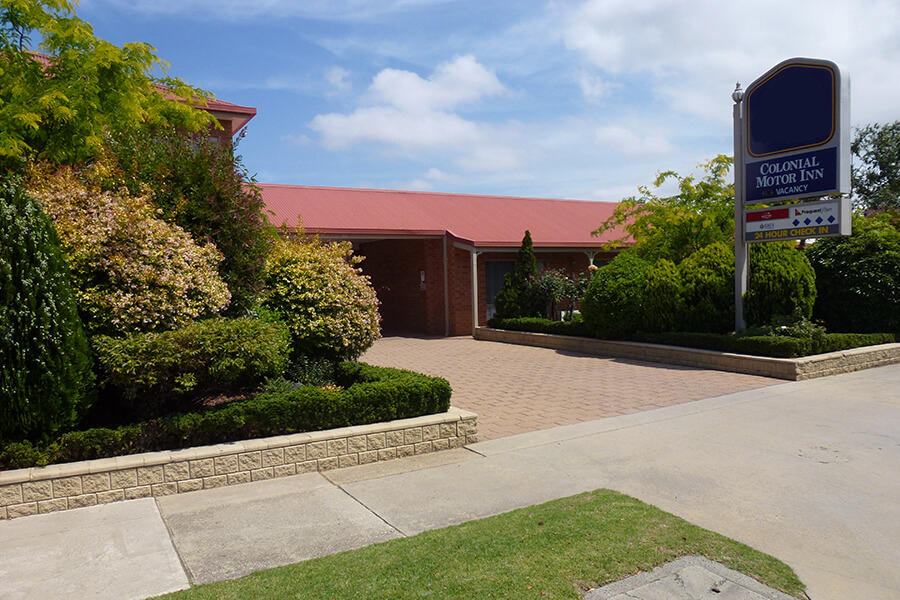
x: 516, y: 389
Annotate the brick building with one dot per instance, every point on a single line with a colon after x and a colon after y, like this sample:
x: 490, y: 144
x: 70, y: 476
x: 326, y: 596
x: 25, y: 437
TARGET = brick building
x: 434, y: 257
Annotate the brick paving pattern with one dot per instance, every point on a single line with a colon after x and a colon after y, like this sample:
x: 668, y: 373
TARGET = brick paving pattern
x: 517, y: 389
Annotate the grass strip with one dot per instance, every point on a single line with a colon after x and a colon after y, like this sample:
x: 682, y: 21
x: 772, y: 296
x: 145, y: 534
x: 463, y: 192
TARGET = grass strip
x: 555, y: 550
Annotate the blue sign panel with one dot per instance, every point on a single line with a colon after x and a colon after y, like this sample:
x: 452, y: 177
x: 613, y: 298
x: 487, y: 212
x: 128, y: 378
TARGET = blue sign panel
x: 792, y: 109
x: 796, y: 132
x: 800, y: 175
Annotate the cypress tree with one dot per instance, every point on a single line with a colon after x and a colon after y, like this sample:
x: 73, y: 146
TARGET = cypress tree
x: 517, y: 298
x: 45, y: 366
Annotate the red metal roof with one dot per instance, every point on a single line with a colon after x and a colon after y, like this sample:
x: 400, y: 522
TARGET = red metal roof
x: 482, y: 221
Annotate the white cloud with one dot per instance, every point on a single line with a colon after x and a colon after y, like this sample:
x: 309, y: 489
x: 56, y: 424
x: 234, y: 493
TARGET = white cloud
x: 414, y: 117
x: 593, y: 87
x: 691, y: 54
x: 410, y: 131
x: 338, y: 77
x: 435, y: 174
x: 624, y: 141
x: 615, y: 193
x: 459, y: 81
x: 427, y: 182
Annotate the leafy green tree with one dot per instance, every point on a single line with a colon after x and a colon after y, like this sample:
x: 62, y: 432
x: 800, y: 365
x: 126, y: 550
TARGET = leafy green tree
x: 672, y: 227
x: 201, y: 185
x: 876, y: 170
x: 59, y: 105
x: 45, y: 365
x: 858, y: 277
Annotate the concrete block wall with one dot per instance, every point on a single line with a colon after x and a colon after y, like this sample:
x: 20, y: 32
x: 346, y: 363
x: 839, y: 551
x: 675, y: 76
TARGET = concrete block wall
x: 33, y: 491
x: 792, y: 369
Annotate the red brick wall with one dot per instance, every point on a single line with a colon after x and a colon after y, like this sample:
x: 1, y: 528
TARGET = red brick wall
x: 460, y: 285
x: 395, y: 268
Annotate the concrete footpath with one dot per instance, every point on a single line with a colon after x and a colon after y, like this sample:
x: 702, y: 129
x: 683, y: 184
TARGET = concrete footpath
x: 808, y: 472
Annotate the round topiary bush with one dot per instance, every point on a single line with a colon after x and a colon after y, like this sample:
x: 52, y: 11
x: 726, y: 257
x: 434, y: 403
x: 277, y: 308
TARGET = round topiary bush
x: 858, y: 278
x: 663, y: 305
x: 46, y: 382
x: 707, y: 278
x: 613, y: 304
x: 781, y: 282
x: 326, y: 302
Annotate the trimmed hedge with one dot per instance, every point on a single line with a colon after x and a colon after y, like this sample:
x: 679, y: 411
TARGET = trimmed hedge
x: 769, y: 345
x: 145, y: 372
x: 782, y: 282
x: 774, y: 346
x: 539, y: 325
x: 369, y: 395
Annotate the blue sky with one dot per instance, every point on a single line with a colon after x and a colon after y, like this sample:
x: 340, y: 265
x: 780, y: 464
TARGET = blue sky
x: 581, y: 99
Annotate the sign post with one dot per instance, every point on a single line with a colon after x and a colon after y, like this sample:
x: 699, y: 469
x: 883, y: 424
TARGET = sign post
x: 741, y: 258
x: 791, y: 142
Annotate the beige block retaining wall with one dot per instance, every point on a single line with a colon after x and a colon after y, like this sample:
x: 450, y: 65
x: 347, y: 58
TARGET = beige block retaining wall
x: 792, y: 369
x: 73, y: 485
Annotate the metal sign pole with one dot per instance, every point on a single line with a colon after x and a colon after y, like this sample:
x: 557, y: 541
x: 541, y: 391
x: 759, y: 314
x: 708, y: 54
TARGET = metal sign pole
x: 740, y: 246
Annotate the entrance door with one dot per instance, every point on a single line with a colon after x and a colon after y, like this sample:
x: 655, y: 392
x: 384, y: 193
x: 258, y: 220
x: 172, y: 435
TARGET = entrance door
x: 495, y: 270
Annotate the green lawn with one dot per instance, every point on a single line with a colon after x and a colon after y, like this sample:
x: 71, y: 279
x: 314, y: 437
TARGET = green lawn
x: 554, y: 550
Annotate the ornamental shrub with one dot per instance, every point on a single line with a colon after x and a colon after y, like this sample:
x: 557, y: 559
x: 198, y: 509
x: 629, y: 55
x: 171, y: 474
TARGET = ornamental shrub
x: 781, y: 282
x: 206, y: 358
x: 858, y: 277
x: 707, y: 278
x: 323, y: 297
x: 132, y: 272
x: 613, y: 304
x: 574, y: 327
x: 201, y: 185
x: 45, y: 366
x: 662, y: 298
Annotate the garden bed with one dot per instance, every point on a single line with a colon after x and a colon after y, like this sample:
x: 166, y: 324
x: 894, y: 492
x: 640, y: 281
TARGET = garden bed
x: 792, y: 369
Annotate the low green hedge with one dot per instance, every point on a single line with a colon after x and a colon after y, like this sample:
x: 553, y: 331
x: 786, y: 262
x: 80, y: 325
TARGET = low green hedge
x: 369, y: 395
x: 770, y: 345
x: 538, y: 325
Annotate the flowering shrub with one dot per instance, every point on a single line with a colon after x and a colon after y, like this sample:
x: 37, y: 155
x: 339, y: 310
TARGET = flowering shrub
x: 326, y: 302
x: 132, y: 272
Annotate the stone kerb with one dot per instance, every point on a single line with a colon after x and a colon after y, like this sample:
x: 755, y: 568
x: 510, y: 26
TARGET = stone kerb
x: 792, y: 369
x: 73, y: 485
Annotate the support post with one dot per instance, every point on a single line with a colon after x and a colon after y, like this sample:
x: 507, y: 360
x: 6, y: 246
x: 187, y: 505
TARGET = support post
x: 446, y: 288
x: 741, y: 266
x: 474, y: 290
